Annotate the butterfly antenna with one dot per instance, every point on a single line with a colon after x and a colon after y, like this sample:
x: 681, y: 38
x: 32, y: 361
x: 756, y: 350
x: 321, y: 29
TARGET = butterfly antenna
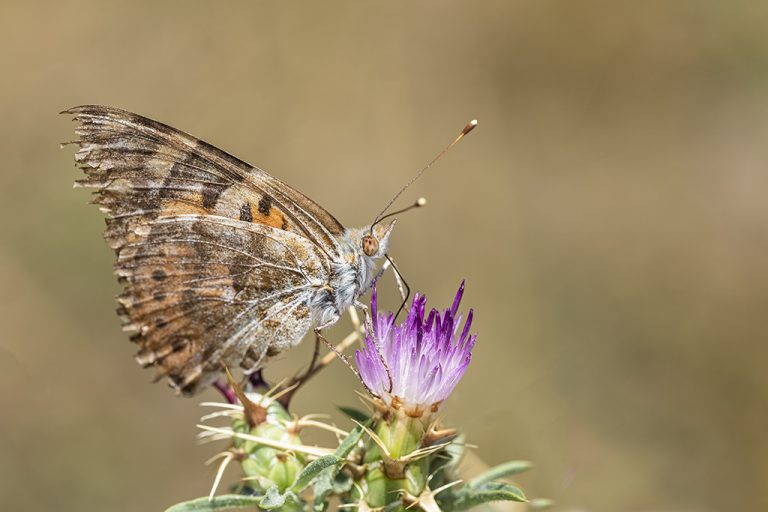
x: 420, y: 202
x: 468, y: 128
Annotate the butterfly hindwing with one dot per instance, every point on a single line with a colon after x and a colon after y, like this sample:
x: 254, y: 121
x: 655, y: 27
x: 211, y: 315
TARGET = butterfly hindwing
x: 202, y: 291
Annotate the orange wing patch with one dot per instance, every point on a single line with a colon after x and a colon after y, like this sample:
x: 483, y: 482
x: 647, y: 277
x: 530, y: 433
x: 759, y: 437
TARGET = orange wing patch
x: 264, y: 214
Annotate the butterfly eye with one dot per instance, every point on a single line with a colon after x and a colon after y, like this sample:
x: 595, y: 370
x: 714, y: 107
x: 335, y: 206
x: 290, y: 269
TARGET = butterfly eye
x: 370, y: 245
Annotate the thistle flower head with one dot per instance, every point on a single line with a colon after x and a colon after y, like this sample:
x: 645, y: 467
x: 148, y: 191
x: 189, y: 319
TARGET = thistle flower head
x: 418, y: 362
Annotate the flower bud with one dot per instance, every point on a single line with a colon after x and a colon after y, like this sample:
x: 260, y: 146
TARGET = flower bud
x: 266, y: 465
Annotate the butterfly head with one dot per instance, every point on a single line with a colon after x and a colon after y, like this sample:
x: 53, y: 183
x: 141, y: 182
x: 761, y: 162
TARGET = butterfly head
x: 374, y: 240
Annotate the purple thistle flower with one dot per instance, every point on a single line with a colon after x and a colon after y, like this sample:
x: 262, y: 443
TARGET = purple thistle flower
x: 425, y: 357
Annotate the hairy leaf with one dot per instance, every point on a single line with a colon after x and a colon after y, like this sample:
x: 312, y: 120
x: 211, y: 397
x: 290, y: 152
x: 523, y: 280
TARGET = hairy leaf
x: 469, y: 497
x: 313, y: 469
x: 272, y: 499
x: 324, y: 482
x: 225, y: 502
x: 348, y: 443
x: 501, y: 471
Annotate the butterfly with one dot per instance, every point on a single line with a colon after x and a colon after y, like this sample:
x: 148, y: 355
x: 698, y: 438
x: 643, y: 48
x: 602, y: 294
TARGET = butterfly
x: 221, y: 263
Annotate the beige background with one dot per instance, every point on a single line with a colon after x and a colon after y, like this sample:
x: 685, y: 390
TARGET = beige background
x: 609, y: 215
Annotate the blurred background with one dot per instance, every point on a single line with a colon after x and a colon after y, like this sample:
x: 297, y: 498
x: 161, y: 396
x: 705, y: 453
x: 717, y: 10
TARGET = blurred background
x: 609, y: 215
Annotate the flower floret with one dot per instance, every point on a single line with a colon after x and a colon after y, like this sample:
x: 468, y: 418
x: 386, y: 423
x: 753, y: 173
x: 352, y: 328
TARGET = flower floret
x: 419, y: 362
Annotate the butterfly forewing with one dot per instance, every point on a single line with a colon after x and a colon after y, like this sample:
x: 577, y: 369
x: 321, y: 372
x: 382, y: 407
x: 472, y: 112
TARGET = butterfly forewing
x: 219, y: 259
x: 144, y: 169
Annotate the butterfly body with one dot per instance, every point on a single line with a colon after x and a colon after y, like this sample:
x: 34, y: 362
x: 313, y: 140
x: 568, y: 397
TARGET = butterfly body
x: 222, y: 264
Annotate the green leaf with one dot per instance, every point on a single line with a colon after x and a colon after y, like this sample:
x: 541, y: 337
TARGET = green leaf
x: 292, y: 502
x: 501, y: 471
x: 322, y: 488
x: 348, y: 443
x: 313, y: 469
x: 469, y: 497
x: 272, y: 499
x: 225, y: 502
x: 355, y: 414
x: 324, y: 483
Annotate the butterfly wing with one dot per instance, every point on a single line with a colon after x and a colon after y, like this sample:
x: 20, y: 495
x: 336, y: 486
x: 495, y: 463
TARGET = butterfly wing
x: 202, y: 291
x: 219, y: 259
x: 143, y: 169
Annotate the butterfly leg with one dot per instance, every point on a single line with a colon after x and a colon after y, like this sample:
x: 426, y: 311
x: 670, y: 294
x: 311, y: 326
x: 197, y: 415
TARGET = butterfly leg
x: 366, y: 315
x: 338, y: 351
x: 318, y: 364
x: 380, y: 273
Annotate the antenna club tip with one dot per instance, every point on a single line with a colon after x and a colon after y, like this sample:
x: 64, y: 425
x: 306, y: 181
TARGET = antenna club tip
x: 470, y: 126
x: 422, y: 201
